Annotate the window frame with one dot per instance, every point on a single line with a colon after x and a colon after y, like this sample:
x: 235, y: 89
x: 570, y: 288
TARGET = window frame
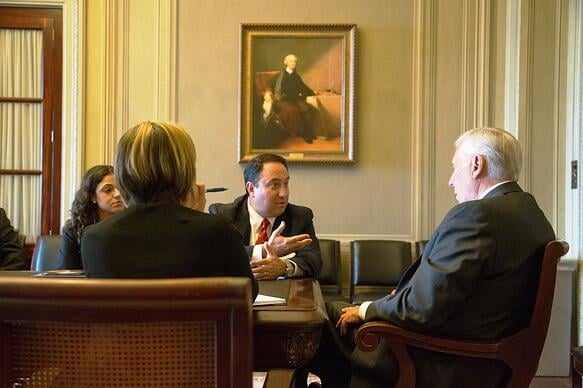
x: 50, y: 21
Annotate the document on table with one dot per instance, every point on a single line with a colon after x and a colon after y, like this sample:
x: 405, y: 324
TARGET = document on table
x: 64, y: 273
x: 266, y: 300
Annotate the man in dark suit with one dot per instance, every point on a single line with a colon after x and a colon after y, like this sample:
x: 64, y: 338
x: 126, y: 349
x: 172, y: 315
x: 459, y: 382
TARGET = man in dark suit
x: 476, y: 279
x: 265, y: 207
x: 12, y: 254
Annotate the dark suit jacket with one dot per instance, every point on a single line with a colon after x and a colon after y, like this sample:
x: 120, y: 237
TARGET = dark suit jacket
x: 12, y: 254
x: 476, y: 278
x: 70, y: 250
x: 163, y: 241
x: 291, y: 87
x: 298, y: 220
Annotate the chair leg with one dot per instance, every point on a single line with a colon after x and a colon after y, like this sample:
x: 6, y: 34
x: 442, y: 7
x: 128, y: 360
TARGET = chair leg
x: 575, y: 379
x: 575, y: 376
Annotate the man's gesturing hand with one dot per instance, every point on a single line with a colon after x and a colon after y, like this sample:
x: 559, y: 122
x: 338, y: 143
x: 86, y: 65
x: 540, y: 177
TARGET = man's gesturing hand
x: 272, y: 266
x: 286, y: 245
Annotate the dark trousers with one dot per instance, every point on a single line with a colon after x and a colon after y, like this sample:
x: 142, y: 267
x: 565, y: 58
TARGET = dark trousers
x: 339, y: 364
x: 306, y: 113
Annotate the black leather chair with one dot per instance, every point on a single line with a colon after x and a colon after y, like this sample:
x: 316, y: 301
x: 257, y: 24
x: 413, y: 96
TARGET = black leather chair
x: 330, y: 278
x: 45, y: 256
x: 377, y: 267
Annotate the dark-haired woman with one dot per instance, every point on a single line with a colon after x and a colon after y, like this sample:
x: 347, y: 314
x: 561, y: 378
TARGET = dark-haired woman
x: 96, y: 200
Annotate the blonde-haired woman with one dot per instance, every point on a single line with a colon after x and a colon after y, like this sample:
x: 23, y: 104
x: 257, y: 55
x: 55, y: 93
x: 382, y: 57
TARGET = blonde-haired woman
x: 163, y: 233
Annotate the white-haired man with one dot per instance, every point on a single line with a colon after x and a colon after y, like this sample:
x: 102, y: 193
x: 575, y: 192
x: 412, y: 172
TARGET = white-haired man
x: 476, y: 278
x: 291, y: 89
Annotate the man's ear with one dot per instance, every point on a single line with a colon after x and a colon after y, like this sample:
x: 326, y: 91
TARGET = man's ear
x: 479, y: 168
x: 250, y: 189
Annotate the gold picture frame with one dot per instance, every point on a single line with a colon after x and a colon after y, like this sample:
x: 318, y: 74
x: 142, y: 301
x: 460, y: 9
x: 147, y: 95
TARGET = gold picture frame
x: 296, y: 92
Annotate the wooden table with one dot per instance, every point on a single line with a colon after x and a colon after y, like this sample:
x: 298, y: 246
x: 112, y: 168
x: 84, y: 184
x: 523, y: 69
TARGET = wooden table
x: 288, y: 336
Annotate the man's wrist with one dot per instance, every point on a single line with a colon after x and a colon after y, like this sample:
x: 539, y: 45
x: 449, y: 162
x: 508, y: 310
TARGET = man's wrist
x: 362, y: 309
x: 289, y: 269
x: 257, y: 252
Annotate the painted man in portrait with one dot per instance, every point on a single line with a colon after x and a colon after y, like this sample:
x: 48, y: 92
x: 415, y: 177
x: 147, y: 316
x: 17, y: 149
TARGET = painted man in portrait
x: 294, y: 101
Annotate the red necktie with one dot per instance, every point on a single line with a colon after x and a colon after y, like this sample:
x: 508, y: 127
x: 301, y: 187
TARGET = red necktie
x: 262, y: 237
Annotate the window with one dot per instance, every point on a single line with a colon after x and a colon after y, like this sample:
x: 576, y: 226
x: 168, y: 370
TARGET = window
x: 30, y: 118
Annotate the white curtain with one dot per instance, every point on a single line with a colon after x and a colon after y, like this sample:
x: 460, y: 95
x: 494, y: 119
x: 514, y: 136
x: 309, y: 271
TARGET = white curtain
x: 21, y: 128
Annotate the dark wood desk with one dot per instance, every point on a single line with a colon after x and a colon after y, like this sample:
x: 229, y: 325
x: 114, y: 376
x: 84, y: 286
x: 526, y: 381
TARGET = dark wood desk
x: 288, y: 336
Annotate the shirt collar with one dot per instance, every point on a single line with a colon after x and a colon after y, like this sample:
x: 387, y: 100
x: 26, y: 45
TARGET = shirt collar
x: 255, y: 219
x: 489, y: 189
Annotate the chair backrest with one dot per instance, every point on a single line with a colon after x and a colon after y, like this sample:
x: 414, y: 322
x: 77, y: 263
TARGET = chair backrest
x: 264, y: 81
x: 522, y: 351
x: 379, y: 262
x: 330, y: 252
x: 46, y: 253
x: 103, y: 332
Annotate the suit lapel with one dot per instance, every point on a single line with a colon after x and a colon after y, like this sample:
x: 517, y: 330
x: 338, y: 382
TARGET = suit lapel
x: 283, y: 218
x: 242, y: 221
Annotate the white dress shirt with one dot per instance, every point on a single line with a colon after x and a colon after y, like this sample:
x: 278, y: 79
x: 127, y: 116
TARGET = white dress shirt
x: 255, y: 220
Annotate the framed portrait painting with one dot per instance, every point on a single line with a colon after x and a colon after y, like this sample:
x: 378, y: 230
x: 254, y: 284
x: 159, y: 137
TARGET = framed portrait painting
x: 296, y: 92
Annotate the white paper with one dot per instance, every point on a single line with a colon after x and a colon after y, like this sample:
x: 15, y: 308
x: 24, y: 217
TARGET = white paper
x: 266, y: 300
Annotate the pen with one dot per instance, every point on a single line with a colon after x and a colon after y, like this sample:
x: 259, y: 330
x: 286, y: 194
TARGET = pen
x: 216, y: 189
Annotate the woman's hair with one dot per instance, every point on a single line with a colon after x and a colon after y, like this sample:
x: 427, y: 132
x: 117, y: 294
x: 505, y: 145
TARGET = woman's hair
x: 499, y: 147
x: 84, y: 211
x: 155, y: 162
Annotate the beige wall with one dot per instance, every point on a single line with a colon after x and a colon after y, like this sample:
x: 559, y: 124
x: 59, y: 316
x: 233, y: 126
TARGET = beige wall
x: 426, y: 71
x: 341, y: 196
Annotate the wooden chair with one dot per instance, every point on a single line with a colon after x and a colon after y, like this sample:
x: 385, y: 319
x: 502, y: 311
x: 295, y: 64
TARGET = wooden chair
x: 521, y: 351
x: 330, y: 278
x: 130, y: 333
x: 378, y: 264
x: 46, y: 254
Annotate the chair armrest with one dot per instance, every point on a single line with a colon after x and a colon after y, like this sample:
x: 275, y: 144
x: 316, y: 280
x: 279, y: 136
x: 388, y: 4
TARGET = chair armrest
x: 368, y: 337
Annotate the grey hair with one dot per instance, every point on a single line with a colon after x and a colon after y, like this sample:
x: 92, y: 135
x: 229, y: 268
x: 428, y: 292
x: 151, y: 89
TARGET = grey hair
x: 499, y: 147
